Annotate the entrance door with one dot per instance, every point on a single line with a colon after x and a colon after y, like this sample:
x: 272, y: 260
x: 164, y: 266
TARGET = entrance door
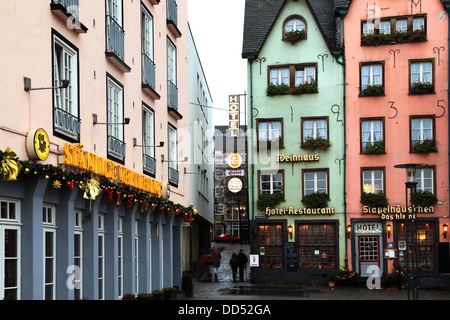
x: 369, y: 254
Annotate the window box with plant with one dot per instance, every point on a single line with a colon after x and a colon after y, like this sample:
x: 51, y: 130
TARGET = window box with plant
x: 317, y: 143
x: 424, y: 198
x: 375, y: 148
x: 277, y: 89
x: 374, y: 200
x: 373, y: 91
x: 305, y: 87
x: 427, y: 145
x: 294, y: 36
x: 421, y: 88
x: 269, y: 200
x: 316, y: 200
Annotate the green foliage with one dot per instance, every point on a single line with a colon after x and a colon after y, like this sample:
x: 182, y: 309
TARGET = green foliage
x: 427, y: 145
x: 421, y: 88
x: 376, y: 148
x: 345, y: 277
x: 373, y: 90
x: 424, y: 198
x: 294, y: 36
x: 393, y: 37
x: 317, y: 143
x: 316, y: 200
x: 277, y: 89
x: 268, y: 200
x: 397, y: 278
x: 374, y: 200
x: 305, y: 87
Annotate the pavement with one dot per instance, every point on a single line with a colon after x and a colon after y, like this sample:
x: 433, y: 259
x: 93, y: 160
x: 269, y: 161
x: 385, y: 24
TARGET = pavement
x: 226, y: 289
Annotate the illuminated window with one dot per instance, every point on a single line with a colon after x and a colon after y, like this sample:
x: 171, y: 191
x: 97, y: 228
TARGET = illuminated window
x: 270, y: 245
x: 425, y: 246
x: 372, y: 180
x: 316, y: 245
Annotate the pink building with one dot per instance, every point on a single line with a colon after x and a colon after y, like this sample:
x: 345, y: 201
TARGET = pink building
x: 396, y: 113
x: 127, y: 71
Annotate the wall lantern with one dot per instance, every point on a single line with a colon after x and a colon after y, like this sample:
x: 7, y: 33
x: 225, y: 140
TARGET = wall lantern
x: 444, y: 230
x: 388, y: 230
x: 290, y: 231
x: 349, y: 231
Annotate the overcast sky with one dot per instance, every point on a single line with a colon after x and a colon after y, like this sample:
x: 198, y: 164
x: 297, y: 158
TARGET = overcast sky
x: 217, y: 29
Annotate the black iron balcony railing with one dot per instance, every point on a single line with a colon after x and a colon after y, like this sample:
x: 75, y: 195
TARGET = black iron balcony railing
x: 149, y: 164
x: 148, y: 71
x: 66, y: 124
x: 116, y: 148
x: 70, y: 5
x: 172, y: 91
x: 174, y: 176
x: 115, y: 38
x: 172, y: 11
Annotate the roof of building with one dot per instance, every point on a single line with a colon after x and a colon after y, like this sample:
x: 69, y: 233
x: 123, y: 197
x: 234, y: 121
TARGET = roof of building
x: 260, y: 16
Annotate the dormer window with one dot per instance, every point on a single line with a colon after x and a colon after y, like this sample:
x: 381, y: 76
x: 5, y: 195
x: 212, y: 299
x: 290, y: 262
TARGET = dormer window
x: 294, y: 29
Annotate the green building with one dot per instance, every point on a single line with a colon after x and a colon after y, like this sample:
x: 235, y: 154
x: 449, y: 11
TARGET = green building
x: 296, y: 148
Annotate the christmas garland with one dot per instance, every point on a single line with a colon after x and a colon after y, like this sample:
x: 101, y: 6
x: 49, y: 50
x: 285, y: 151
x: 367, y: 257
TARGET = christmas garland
x: 11, y: 167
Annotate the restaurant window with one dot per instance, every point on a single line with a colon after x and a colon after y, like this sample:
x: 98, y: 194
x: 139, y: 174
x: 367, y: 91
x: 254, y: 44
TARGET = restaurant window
x: 316, y: 245
x: 10, y: 263
x: 425, y: 247
x: 270, y: 245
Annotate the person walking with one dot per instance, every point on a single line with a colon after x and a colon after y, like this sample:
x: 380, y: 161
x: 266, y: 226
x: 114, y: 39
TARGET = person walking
x: 234, y: 263
x: 242, y: 262
x: 216, y: 256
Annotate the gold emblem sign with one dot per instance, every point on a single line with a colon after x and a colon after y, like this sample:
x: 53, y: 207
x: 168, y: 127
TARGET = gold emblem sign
x: 38, y: 144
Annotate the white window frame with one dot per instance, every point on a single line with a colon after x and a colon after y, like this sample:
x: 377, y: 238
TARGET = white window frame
x: 371, y: 74
x: 418, y: 23
x: 315, y: 127
x: 150, y: 250
x: 272, y: 180
x: 305, y: 74
x: 384, y: 27
x: 401, y: 25
x: 78, y: 232
x: 368, y: 28
x: 422, y: 129
x: 297, y: 24
x: 371, y: 181
x: 271, y: 132
x: 49, y: 227
x: 147, y: 32
x: 65, y: 67
x: 136, y: 256
x: 114, y: 10
x: 10, y: 221
x: 172, y: 134
x: 372, y: 131
x: 171, y: 62
x: 315, y: 179
x: 101, y: 256
x: 148, y: 131
x: 422, y: 175
x: 278, y: 76
x: 421, y: 71
x: 120, y: 257
x: 115, y: 109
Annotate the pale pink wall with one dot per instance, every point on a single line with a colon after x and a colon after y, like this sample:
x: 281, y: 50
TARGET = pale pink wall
x: 397, y: 130
x: 27, y: 51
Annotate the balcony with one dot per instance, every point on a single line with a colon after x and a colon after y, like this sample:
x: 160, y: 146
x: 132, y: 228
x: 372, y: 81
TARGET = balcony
x: 172, y: 18
x: 116, y: 148
x: 66, y: 124
x: 172, y: 100
x: 149, y: 164
x: 115, y: 44
x: 68, y: 12
x: 174, y: 177
x: 148, y: 77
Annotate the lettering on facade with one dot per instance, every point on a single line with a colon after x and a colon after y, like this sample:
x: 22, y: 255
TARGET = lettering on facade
x: 299, y: 211
x: 397, y: 212
x: 298, y: 158
x: 74, y: 156
x: 233, y: 116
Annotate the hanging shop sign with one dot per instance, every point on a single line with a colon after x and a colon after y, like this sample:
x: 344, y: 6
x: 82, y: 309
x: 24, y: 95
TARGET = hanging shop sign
x: 398, y: 212
x: 229, y: 173
x: 298, y: 158
x: 299, y: 211
x: 74, y: 156
x: 233, y: 116
x: 38, y: 144
x: 235, y: 160
x: 235, y: 185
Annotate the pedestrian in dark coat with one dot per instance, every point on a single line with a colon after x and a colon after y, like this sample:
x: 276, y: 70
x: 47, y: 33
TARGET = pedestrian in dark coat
x: 242, y: 262
x: 216, y: 256
x: 234, y: 263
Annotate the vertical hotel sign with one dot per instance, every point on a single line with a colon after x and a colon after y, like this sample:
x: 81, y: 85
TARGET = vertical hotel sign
x: 233, y: 116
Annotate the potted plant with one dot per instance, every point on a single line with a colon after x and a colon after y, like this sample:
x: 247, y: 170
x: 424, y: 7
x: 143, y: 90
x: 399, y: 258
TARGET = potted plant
x: 345, y: 277
x: 397, y: 278
x: 158, y: 295
x: 375, y: 148
x: 305, y: 87
x: 316, y: 143
x: 424, y: 198
x: 170, y: 293
x: 269, y: 200
x: 144, y: 296
x: 374, y: 200
x: 187, y: 285
x: 427, y: 145
x: 373, y: 91
x: 128, y: 296
x: 316, y: 200
x: 419, y: 87
x: 294, y: 36
x: 277, y: 89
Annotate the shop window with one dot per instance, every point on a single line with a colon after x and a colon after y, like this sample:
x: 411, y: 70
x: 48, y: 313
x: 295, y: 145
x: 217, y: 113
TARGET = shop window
x: 422, y: 135
x: 372, y: 79
x: 372, y: 136
x: 421, y: 75
x: 316, y: 245
x: 424, y: 249
x: 270, y: 245
x: 66, y: 122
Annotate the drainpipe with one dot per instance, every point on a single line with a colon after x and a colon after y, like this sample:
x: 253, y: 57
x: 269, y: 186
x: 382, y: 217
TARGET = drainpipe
x: 249, y: 150
x: 336, y: 55
x: 447, y: 8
